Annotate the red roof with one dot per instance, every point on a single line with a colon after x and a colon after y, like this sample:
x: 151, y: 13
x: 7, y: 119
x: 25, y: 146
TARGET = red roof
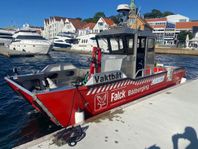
x: 156, y: 19
x: 78, y: 24
x: 109, y: 21
x: 186, y: 25
x: 89, y: 25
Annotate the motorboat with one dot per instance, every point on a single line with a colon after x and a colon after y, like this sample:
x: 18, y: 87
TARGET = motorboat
x: 64, y: 40
x: 6, y: 37
x: 125, y: 72
x: 31, y: 42
x: 85, y: 43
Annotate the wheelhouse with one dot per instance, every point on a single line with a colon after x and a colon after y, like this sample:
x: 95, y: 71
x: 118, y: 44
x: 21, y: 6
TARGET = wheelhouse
x: 128, y: 50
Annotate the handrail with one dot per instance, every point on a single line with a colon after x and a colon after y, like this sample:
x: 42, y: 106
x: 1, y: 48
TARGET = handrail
x: 150, y: 70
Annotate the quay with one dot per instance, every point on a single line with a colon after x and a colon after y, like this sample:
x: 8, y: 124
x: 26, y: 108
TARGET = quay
x: 11, y: 53
x: 176, y: 51
x: 163, y: 120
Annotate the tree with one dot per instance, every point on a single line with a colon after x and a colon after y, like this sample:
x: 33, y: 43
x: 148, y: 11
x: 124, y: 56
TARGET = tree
x: 157, y: 14
x: 88, y: 20
x: 167, y: 13
x: 98, y: 15
x: 115, y: 19
x: 182, y: 36
x: 153, y: 14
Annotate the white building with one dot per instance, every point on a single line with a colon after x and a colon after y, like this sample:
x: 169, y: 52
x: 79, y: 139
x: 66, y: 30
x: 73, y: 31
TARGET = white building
x: 55, y: 25
x: 177, y: 18
x: 165, y: 28
x: 103, y: 24
x: 87, y: 29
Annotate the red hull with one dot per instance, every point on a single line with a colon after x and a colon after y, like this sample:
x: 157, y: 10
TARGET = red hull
x: 61, y: 105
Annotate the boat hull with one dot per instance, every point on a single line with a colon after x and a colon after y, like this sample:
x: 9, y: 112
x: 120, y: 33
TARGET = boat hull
x: 31, y: 47
x: 61, y: 105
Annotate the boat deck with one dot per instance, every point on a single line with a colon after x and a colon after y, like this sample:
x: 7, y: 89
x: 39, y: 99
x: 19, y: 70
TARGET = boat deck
x: 11, y: 53
x: 153, y: 122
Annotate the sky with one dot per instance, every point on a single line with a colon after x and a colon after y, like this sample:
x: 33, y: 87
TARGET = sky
x: 18, y: 12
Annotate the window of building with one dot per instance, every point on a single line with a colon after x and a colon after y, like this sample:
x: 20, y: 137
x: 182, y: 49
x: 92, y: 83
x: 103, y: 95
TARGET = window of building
x: 100, y: 23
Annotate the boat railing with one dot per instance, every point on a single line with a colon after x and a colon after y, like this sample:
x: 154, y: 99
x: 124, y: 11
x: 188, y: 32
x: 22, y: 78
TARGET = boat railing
x: 149, y: 71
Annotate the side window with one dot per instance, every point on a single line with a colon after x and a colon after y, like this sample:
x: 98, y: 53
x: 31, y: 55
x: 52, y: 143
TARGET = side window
x: 130, y: 42
x: 151, y: 44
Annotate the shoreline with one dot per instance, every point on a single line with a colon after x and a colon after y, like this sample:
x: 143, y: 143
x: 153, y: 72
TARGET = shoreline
x: 176, y: 51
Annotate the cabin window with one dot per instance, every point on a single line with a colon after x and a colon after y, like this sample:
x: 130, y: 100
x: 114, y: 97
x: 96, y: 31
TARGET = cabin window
x: 141, y: 42
x: 151, y: 43
x: 130, y: 44
x: 116, y: 45
x: 103, y: 44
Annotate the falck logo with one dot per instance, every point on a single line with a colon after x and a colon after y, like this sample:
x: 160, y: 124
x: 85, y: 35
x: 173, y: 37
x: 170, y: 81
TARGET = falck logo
x: 100, y: 101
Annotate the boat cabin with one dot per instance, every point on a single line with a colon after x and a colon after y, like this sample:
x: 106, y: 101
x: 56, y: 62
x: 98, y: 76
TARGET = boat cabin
x: 128, y: 50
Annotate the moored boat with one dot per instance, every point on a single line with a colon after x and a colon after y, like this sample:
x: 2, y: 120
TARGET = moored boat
x: 124, y: 72
x: 31, y: 42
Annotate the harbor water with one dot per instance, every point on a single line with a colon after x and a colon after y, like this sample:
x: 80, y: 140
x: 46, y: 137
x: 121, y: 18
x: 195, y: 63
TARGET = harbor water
x: 20, y: 123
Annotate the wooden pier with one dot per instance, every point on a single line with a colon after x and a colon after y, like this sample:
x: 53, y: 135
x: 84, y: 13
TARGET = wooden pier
x: 12, y: 53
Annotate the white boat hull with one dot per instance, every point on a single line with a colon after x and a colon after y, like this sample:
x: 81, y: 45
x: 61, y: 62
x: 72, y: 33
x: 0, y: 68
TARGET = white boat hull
x: 35, y: 48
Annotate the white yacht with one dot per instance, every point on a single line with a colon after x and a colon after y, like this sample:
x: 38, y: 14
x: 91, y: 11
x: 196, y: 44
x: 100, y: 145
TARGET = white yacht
x: 6, y: 37
x: 31, y: 42
x: 85, y: 43
x: 64, y: 40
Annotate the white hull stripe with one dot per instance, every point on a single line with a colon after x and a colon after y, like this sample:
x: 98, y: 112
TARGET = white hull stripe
x: 108, y: 87
x: 94, y: 91
x: 99, y: 89
x: 115, y: 85
x: 103, y: 89
x: 112, y: 86
x: 125, y: 83
x: 118, y: 84
x: 89, y: 92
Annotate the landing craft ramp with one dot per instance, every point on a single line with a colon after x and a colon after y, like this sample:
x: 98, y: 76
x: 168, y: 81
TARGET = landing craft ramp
x: 159, y: 121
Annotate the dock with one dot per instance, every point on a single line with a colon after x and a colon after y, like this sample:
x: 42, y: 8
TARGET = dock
x: 12, y: 53
x: 176, y: 51
x: 164, y: 120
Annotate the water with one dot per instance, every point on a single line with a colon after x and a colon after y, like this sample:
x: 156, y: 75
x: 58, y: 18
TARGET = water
x: 19, y: 123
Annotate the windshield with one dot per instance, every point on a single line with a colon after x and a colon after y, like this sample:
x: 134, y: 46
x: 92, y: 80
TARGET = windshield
x: 103, y: 44
x: 117, y: 44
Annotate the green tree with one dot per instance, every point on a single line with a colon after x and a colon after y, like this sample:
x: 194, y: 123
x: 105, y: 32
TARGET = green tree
x: 182, y: 36
x: 88, y: 20
x: 167, y: 13
x: 98, y: 15
x: 155, y: 13
x: 115, y: 19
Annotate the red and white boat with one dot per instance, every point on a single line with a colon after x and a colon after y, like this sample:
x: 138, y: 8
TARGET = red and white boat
x: 123, y: 74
